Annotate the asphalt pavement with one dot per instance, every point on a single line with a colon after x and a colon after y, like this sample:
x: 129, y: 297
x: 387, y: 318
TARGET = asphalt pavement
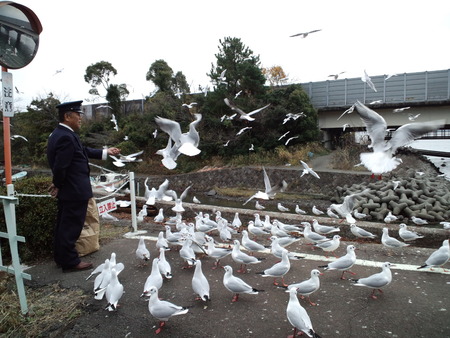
x: 415, y: 304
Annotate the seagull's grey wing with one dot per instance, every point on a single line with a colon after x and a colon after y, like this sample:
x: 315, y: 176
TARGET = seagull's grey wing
x: 136, y: 154
x: 375, y: 124
x: 305, y: 287
x: 437, y: 258
x: 172, y: 128
x: 267, y: 185
x: 375, y: 281
x: 342, y: 263
x: 409, y: 132
x: 253, y: 112
x: 185, y: 192
x: 233, y: 107
x: 237, y: 285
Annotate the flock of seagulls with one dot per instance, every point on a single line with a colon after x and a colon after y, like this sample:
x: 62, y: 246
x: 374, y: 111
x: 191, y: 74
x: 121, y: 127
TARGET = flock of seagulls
x: 193, y: 242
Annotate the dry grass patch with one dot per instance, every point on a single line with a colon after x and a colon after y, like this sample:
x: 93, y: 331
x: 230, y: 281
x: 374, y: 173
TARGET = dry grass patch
x: 50, y: 309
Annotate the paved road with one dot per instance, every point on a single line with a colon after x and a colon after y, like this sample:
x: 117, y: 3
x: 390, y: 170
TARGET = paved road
x: 415, y: 304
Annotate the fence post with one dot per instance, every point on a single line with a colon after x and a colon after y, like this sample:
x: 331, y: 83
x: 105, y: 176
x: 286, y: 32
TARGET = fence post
x: 9, y: 206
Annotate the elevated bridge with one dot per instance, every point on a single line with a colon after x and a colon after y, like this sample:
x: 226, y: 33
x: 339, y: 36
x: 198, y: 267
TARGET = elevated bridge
x: 425, y: 93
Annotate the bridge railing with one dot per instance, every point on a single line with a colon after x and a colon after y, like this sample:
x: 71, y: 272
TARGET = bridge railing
x: 428, y: 86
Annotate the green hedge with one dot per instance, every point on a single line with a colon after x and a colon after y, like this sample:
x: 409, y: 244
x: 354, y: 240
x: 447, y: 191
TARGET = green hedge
x: 35, y: 219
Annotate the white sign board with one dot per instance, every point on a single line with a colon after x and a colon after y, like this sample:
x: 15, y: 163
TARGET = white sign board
x: 7, y: 94
x: 107, y: 206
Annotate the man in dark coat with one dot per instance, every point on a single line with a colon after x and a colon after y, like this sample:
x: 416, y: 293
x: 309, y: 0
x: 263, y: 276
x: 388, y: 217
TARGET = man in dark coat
x: 71, y: 184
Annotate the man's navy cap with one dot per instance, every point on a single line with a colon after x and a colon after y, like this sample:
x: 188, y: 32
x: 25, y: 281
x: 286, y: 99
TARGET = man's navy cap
x: 74, y: 106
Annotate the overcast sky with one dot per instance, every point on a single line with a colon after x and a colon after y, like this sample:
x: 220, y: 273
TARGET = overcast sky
x: 382, y: 37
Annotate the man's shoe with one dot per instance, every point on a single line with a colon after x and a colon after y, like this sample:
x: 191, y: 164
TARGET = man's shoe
x: 80, y: 267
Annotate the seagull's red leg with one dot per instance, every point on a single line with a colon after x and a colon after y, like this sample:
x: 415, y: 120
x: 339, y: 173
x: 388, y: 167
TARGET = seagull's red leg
x: 275, y: 282
x: 313, y: 304
x: 161, y: 325
x: 282, y: 282
x: 235, y: 298
x: 373, y: 294
x: 294, y: 334
x: 216, y: 265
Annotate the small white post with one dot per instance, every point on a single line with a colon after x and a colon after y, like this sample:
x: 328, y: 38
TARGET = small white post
x: 133, y: 202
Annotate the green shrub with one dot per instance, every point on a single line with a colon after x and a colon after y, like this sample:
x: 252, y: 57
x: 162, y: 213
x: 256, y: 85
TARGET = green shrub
x: 35, y: 219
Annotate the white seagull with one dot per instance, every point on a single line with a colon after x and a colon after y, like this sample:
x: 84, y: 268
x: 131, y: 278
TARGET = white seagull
x: 330, y: 245
x: 163, y: 265
x: 307, y: 287
x: 280, y: 269
x: 378, y: 280
x: 308, y: 170
x: 324, y: 229
x: 159, y: 218
x: 142, y: 252
x: 290, y: 139
x: 366, y: 78
x: 316, y: 211
x: 382, y: 159
x: 360, y: 232
x: 163, y: 310
x: 305, y: 34
x: 154, y: 279
x: 438, y: 257
x: 269, y: 191
x: 345, y: 209
x: 408, y: 235
x: 114, y: 292
x: 418, y: 220
x: 186, y: 143
x: 241, y: 257
x: 200, y: 284
x: 282, y: 208
x: 391, y: 242
x: 343, y: 263
x: 236, y: 285
x: 215, y: 252
x: 243, y: 115
x: 298, y: 317
x: 241, y: 131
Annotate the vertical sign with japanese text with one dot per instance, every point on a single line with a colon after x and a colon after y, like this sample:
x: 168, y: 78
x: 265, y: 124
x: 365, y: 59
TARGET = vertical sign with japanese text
x: 7, y: 94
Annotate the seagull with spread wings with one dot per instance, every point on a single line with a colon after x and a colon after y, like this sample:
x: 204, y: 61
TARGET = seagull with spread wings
x: 305, y: 34
x: 366, y: 78
x: 186, y: 143
x: 244, y: 115
x: 382, y: 159
x: 270, y: 191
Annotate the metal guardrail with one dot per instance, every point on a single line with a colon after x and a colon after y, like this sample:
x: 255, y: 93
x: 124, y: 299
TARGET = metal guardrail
x: 428, y: 86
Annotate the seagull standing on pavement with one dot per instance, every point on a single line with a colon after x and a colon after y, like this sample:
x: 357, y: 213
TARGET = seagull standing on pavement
x: 154, y: 279
x: 360, y: 232
x: 378, y: 280
x: 391, y: 242
x: 438, y: 257
x: 163, y: 310
x: 298, y: 317
x: 330, y: 245
x: 406, y: 234
x: 114, y: 292
x: 316, y: 211
x: 200, y: 284
x: 307, y: 287
x: 343, y: 263
x: 278, y: 270
x: 142, y: 252
x: 418, y: 220
x: 236, y: 285
x: 282, y: 208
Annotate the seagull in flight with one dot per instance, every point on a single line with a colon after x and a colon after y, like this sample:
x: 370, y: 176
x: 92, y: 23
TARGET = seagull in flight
x: 335, y: 76
x: 382, y: 159
x: 305, y: 34
x: 308, y: 170
x: 366, y: 78
x: 270, y: 191
x: 399, y: 110
x: 412, y: 117
x: 279, y: 139
x: 190, y: 105
x: 186, y: 143
x: 244, y: 115
x: 120, y: 162
x: 13, y: 137
x: 290, y: 139
x: 242, y: 130
x: 114, y: 120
